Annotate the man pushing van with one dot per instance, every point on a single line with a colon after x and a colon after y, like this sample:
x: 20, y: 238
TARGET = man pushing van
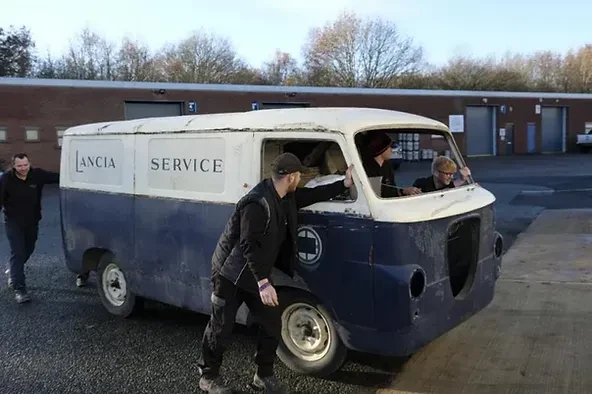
x: 260, y: 235
x: 20, y: 196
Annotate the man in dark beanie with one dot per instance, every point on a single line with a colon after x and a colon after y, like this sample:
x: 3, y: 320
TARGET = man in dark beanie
x: 379, y: 168
x: 259, y: 236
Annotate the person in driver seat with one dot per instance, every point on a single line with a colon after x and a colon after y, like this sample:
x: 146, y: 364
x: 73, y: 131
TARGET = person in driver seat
x: 379, y: 168
x: 443, y: 170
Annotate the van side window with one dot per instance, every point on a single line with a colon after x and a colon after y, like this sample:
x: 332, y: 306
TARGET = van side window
x: 399, y: 161
x: 323, y: 158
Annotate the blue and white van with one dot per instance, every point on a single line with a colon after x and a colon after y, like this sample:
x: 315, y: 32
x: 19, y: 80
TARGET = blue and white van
x: 143, y: 203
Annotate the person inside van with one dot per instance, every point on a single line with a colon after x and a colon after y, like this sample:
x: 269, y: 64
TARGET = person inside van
x: 379, y: 168
x: 443, y: 170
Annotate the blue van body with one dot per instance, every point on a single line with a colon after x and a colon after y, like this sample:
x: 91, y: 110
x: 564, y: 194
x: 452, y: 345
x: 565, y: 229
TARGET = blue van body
x: 362, y: 274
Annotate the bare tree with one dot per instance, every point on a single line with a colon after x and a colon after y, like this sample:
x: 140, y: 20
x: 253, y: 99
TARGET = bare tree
x: 90, y: 57
x: 546, y: 72
x: 281, y: 70
x: 577, y: 67
x: 201, y: 58
x: 354, y: 52
x: 48, y: 67
x: 465, y: 73
x: 135, y: 62
x: 245, y: 74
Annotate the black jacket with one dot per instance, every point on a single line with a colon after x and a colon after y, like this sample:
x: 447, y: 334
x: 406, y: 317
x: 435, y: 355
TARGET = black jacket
x: 21, y: 199
x: 427, y: 184
x: 386, y: 172
x: 253, y: 241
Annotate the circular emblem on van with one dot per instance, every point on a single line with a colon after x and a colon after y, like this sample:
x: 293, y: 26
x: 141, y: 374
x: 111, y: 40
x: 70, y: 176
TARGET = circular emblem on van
x: 310, y: 247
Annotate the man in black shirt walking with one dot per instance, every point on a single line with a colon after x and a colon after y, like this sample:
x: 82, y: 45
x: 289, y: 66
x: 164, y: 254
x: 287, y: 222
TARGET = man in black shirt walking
x: 259, y: 236
x: 21, y: 189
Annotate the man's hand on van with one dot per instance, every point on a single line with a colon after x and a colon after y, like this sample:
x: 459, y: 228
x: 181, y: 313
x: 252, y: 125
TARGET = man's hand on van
x: 465, y: 173
x: 348, y: 181
x: 410, y: 191
x: 267, y: 293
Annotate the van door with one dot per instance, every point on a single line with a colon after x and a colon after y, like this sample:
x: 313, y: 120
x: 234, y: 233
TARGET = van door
x: 334, y: 237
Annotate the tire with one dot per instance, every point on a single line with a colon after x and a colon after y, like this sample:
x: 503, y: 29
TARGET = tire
x: 301, y: 314
x: 112, y: 288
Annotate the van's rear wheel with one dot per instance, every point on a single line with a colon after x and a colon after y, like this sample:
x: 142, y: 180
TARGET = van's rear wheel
x: 113, y: 288
x: 310, y: 344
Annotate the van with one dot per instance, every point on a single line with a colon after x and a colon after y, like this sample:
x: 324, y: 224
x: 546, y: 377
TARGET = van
x: 143, y: 203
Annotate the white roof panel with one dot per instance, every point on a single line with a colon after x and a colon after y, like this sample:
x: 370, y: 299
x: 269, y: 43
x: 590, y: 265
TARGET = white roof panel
x: 343, y: 120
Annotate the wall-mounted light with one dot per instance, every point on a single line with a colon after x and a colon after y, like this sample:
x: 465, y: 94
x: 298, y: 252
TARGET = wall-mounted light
x: 158, y: 91
x: 484, y: 100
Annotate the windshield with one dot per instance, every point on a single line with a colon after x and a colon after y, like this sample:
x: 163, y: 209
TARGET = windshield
x: 409, y: 162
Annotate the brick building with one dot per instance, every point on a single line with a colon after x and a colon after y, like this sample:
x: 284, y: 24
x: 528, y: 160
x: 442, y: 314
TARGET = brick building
x: 34, y: 112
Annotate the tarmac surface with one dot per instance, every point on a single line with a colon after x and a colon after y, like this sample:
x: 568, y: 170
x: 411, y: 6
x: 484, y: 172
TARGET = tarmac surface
x: 64, y: 341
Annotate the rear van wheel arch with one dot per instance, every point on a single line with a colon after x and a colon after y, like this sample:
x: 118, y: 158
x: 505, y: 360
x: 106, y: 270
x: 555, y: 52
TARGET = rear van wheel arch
x: 91, y: 258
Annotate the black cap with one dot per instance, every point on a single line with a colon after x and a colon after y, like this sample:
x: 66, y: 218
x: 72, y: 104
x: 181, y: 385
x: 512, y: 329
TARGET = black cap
x: 287, y: 163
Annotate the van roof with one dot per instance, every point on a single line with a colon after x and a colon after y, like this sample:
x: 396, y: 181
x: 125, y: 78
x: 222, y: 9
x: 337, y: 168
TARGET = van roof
x: 343, y: 119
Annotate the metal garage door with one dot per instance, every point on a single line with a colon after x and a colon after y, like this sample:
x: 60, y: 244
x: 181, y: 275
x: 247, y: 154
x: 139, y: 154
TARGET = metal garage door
x: 152, y: 110
x: 278, y: 105
x: 552, y: 129
x: 479, y: 131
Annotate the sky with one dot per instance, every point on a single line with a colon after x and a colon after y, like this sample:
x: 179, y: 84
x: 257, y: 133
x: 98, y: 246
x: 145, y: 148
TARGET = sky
x: 258, y: 27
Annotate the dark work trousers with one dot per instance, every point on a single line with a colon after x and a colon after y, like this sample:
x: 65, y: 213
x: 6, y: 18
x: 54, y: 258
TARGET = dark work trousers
x: 22, y: 239
x: 226, y: 300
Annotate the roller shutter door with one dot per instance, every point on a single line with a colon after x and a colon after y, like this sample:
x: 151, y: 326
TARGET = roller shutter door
x: 152, y: 110
x: 552, y: 129
x: 479, y: 131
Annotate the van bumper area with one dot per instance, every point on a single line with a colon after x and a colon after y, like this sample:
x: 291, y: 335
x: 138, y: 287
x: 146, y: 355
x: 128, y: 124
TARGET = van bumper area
x: 428, y: 317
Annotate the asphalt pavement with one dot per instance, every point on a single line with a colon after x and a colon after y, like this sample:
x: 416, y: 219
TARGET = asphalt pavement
x: 64, y: 341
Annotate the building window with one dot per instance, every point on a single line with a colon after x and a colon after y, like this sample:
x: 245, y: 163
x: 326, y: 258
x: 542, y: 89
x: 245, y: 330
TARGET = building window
x: 3, y: 134
x: 60, y: 134
x: 31, y: 134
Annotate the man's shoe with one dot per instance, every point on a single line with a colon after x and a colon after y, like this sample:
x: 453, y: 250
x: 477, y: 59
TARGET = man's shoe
x: 80, y: 281
x: 213, y: 386
x: 21, y: 296
x: 270, y: 384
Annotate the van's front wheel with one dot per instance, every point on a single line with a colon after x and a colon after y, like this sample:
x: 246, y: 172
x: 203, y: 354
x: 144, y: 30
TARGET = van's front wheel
x: 113, y: 288
x: 310, y: 344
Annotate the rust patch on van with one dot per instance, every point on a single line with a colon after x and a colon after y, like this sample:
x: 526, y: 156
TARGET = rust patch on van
x: 430, y: 242
x: 427, y: 240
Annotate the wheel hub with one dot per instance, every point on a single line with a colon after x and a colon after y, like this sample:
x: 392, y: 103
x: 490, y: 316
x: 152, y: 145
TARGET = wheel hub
x: 114, y: 285
x: 305, y: 332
